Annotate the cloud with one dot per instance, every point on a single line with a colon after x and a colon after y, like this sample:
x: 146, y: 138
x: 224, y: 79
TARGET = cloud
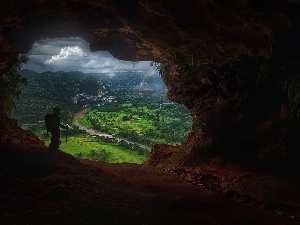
x: 74, y: 54
x: 65, y: 53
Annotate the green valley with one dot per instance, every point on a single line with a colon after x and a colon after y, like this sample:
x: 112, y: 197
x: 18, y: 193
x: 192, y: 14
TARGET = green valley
x: 122, y: 120
x: 146, y: 124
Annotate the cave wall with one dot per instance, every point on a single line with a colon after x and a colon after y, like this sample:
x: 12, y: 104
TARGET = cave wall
x: 227, y: 38
x: 149, y: 30
x: 234, y: 115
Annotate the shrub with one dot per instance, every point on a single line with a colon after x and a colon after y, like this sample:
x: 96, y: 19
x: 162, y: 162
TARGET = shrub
x: 9, y: 85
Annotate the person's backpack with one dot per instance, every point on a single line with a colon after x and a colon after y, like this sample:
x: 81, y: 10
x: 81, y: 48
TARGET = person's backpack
x: 49, y: 122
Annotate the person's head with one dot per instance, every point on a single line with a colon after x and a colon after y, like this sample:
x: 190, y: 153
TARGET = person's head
x: 56, y: 110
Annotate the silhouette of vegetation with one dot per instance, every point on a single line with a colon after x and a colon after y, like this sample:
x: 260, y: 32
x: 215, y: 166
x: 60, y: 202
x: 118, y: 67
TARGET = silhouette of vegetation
x: 263, y: 71
x: 10, y: 85
x: 286, y: 75
x: 191, y: 62
x: 292, y: 85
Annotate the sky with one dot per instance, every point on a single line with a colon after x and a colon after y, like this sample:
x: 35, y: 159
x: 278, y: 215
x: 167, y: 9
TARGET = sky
x: 74, y: 54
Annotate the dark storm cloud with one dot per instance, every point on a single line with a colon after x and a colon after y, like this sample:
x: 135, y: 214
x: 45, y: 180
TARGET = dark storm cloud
x: 73, y: 54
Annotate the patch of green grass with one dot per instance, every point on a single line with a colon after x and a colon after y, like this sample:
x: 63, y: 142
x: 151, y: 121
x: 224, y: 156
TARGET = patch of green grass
x: 84, y: 146
x: 144, y: 124
x: 126, y: 105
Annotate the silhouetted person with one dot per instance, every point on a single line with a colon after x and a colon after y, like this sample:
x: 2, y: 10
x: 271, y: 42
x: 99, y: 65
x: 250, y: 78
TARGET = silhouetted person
x: 55, y: 132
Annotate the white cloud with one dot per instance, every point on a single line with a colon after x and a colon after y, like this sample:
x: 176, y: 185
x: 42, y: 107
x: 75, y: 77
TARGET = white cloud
x: 66, y: 53
x: 73, y: 54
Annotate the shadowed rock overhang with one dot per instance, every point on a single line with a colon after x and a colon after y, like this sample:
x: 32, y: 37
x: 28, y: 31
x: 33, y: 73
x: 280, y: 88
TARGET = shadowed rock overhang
x: 150, y: 30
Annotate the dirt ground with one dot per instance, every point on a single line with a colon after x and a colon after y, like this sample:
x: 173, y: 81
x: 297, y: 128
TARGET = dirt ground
x: 38, y: 186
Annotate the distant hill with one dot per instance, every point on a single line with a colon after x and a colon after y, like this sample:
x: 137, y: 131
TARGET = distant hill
x: 132, y: 80
x: 75, y: 90
x: 69, y: 90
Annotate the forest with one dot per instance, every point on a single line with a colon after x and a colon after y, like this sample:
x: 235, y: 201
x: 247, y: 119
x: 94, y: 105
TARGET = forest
x: 147, y: 123
x: 134, y: 117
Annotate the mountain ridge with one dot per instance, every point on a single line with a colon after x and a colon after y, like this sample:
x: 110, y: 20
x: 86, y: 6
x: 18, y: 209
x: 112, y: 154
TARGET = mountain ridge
x: 132, y: 80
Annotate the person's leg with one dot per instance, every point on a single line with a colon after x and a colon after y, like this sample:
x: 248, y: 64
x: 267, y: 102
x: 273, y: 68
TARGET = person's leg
x: 55, y: 140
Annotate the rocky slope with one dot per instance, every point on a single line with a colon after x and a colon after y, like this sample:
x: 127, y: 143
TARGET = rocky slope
x: 44, y: 187
x: 12, y: 134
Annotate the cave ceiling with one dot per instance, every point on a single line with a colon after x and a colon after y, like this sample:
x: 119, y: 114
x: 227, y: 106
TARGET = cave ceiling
x: 219, y: 32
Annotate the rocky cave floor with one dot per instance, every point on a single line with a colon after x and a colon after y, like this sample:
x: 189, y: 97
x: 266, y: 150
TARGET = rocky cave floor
x: 38, y: 186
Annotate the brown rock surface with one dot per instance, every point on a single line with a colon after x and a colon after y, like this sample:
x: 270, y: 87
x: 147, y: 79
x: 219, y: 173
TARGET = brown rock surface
x: 11, y: 133
x: 54, y: 188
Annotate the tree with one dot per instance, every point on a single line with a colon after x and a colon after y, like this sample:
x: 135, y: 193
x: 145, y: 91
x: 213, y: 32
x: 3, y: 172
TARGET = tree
x: 9, y: 85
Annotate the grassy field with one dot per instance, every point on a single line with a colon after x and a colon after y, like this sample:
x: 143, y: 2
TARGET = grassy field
x: 140, y: 125
x: 84, y: 146
x: 146, y: 124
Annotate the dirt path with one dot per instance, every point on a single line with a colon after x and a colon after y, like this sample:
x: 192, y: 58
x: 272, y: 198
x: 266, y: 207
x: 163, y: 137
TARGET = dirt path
x: 77, y: 116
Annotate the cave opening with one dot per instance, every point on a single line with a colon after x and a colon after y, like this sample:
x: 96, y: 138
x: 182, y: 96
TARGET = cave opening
x: 116, y: 109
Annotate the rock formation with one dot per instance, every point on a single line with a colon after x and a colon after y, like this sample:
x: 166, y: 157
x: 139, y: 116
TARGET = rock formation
x: 12, y: 134
x: 216, y: 57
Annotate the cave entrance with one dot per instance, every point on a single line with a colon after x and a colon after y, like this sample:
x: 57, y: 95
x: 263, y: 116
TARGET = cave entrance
x: 117, y: 109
